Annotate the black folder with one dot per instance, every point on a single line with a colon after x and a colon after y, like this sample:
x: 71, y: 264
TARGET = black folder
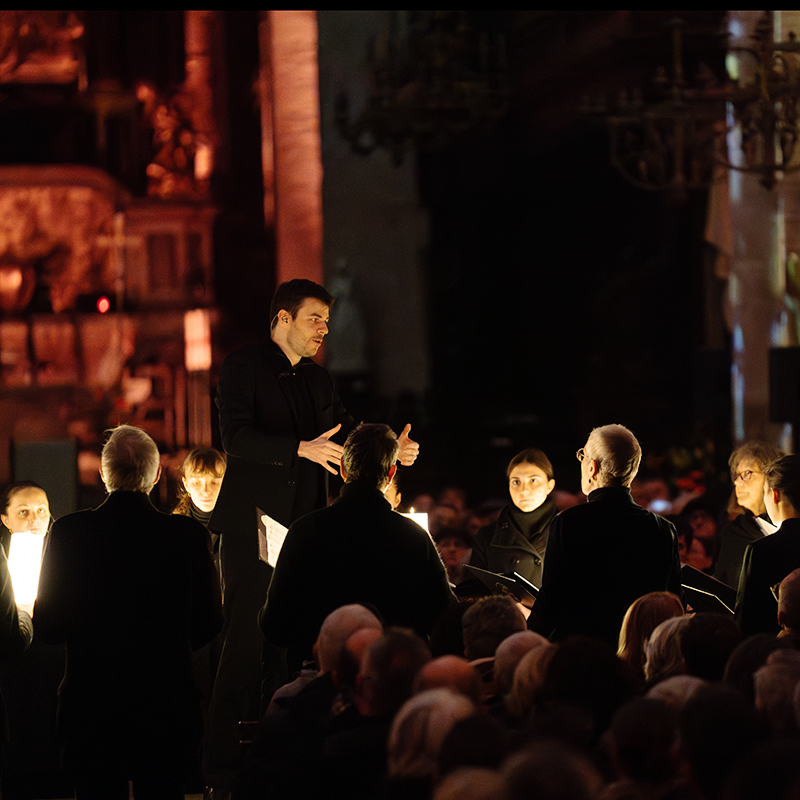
x: 519, y: 588
x: 704, y: 593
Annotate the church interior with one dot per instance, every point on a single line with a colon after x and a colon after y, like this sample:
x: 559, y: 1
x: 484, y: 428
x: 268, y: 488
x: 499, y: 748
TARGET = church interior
x: 533, y: 223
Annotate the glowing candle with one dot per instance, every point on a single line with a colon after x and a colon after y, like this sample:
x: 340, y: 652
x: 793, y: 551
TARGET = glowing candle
x: 24, y: 563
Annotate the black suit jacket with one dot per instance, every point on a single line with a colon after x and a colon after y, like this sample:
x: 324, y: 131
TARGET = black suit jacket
x: 130, y: 591
x: 602, y: 556
x: 260, y: 433
x: 766, y: 563
x: 357, y: 551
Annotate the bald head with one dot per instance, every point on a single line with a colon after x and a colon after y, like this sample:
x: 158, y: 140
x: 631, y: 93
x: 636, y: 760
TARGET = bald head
x: 336, y: 629
x: 450, y: 672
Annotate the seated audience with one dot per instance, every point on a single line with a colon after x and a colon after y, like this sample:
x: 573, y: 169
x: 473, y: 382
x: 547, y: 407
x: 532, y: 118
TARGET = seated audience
x: 641, y: 619
x: 663, y: 654
x: 707, y: 642
x: 416, y: 737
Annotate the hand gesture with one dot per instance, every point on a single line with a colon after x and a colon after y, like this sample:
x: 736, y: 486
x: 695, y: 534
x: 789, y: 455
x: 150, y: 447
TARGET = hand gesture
x: 322, y: 451
x: 409, y: 449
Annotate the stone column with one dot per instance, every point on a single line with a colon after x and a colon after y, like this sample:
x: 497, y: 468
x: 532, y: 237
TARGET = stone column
x: 755, y: 286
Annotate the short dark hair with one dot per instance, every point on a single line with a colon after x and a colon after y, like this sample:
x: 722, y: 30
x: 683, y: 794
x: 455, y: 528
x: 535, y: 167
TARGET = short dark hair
x: 531, y: 456
x: 488, y: 622
x: 369, y: 453
x: 784, y: 475
x: 290, y: 295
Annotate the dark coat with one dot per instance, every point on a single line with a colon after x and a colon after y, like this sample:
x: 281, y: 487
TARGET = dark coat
x: 766, y: 563
x: 260, y: 433
x: 501, y: 548
x: 261, y: 428
x: 356, y: 551
x: 130, y: 591
x: 737, y: 535
x: 602, y: 556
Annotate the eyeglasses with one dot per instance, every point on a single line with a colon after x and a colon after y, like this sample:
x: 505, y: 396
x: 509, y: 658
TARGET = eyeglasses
x: 745, y: 475
x: 580, y: 455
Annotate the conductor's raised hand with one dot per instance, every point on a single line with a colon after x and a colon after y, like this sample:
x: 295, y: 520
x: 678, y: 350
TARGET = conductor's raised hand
x: 322, y: 451
x: 409, y: 449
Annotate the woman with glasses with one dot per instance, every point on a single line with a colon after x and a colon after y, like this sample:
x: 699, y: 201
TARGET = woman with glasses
x: 770, y: 559
x: 752, y: 522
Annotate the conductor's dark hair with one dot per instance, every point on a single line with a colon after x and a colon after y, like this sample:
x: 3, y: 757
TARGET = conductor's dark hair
x: 531, y: 456
x: 12, y: 489
x: 369, y: 453
x: 784, y: 475
x: 291, y: 294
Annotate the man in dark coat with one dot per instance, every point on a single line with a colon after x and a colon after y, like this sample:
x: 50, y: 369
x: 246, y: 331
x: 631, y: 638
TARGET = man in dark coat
x: 279, y: 413
x: 605, y: 554
x: 356, y: 551
x: 130, y: 591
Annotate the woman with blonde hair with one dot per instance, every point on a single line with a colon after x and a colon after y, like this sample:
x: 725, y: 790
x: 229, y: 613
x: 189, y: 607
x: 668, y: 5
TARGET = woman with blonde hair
x: 641, y: 619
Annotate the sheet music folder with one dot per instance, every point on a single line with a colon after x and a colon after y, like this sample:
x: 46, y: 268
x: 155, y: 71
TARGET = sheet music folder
x: 704, y: 593
x: 518, y: 587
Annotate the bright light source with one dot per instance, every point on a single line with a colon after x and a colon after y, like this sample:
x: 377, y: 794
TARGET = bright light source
x: 103, y: 304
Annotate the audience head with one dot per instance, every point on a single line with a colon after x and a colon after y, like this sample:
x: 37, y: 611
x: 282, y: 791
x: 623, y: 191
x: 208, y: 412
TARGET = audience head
x: 388, y: 668
x: 528, y: 678
x: 641, y: 619
x: 449, y: 672
x: 641, y: 738
x: 419, y: 729
x: 201, y: 479
x: 487, y: 622
x: 707, y: 643
x: 24, y: 507
x: 338, y: 626
x: 611, y: 457
x: 775, y: 685
x: 747, y: 464
x: 676, y: 690
x: 717, y: 728
x: 663, y: 654
x: 510, y: 652
x: 129, y: 461
x: 586, y: 672
x: 748, y: 656
x: 550, y: 770
x: 370, y: 455
x: 290, y: 295
x: 470, y: 783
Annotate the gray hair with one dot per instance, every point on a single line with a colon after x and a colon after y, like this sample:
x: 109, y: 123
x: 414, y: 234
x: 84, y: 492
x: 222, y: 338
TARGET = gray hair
x: 618, y: 453
x: 129, y: 461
